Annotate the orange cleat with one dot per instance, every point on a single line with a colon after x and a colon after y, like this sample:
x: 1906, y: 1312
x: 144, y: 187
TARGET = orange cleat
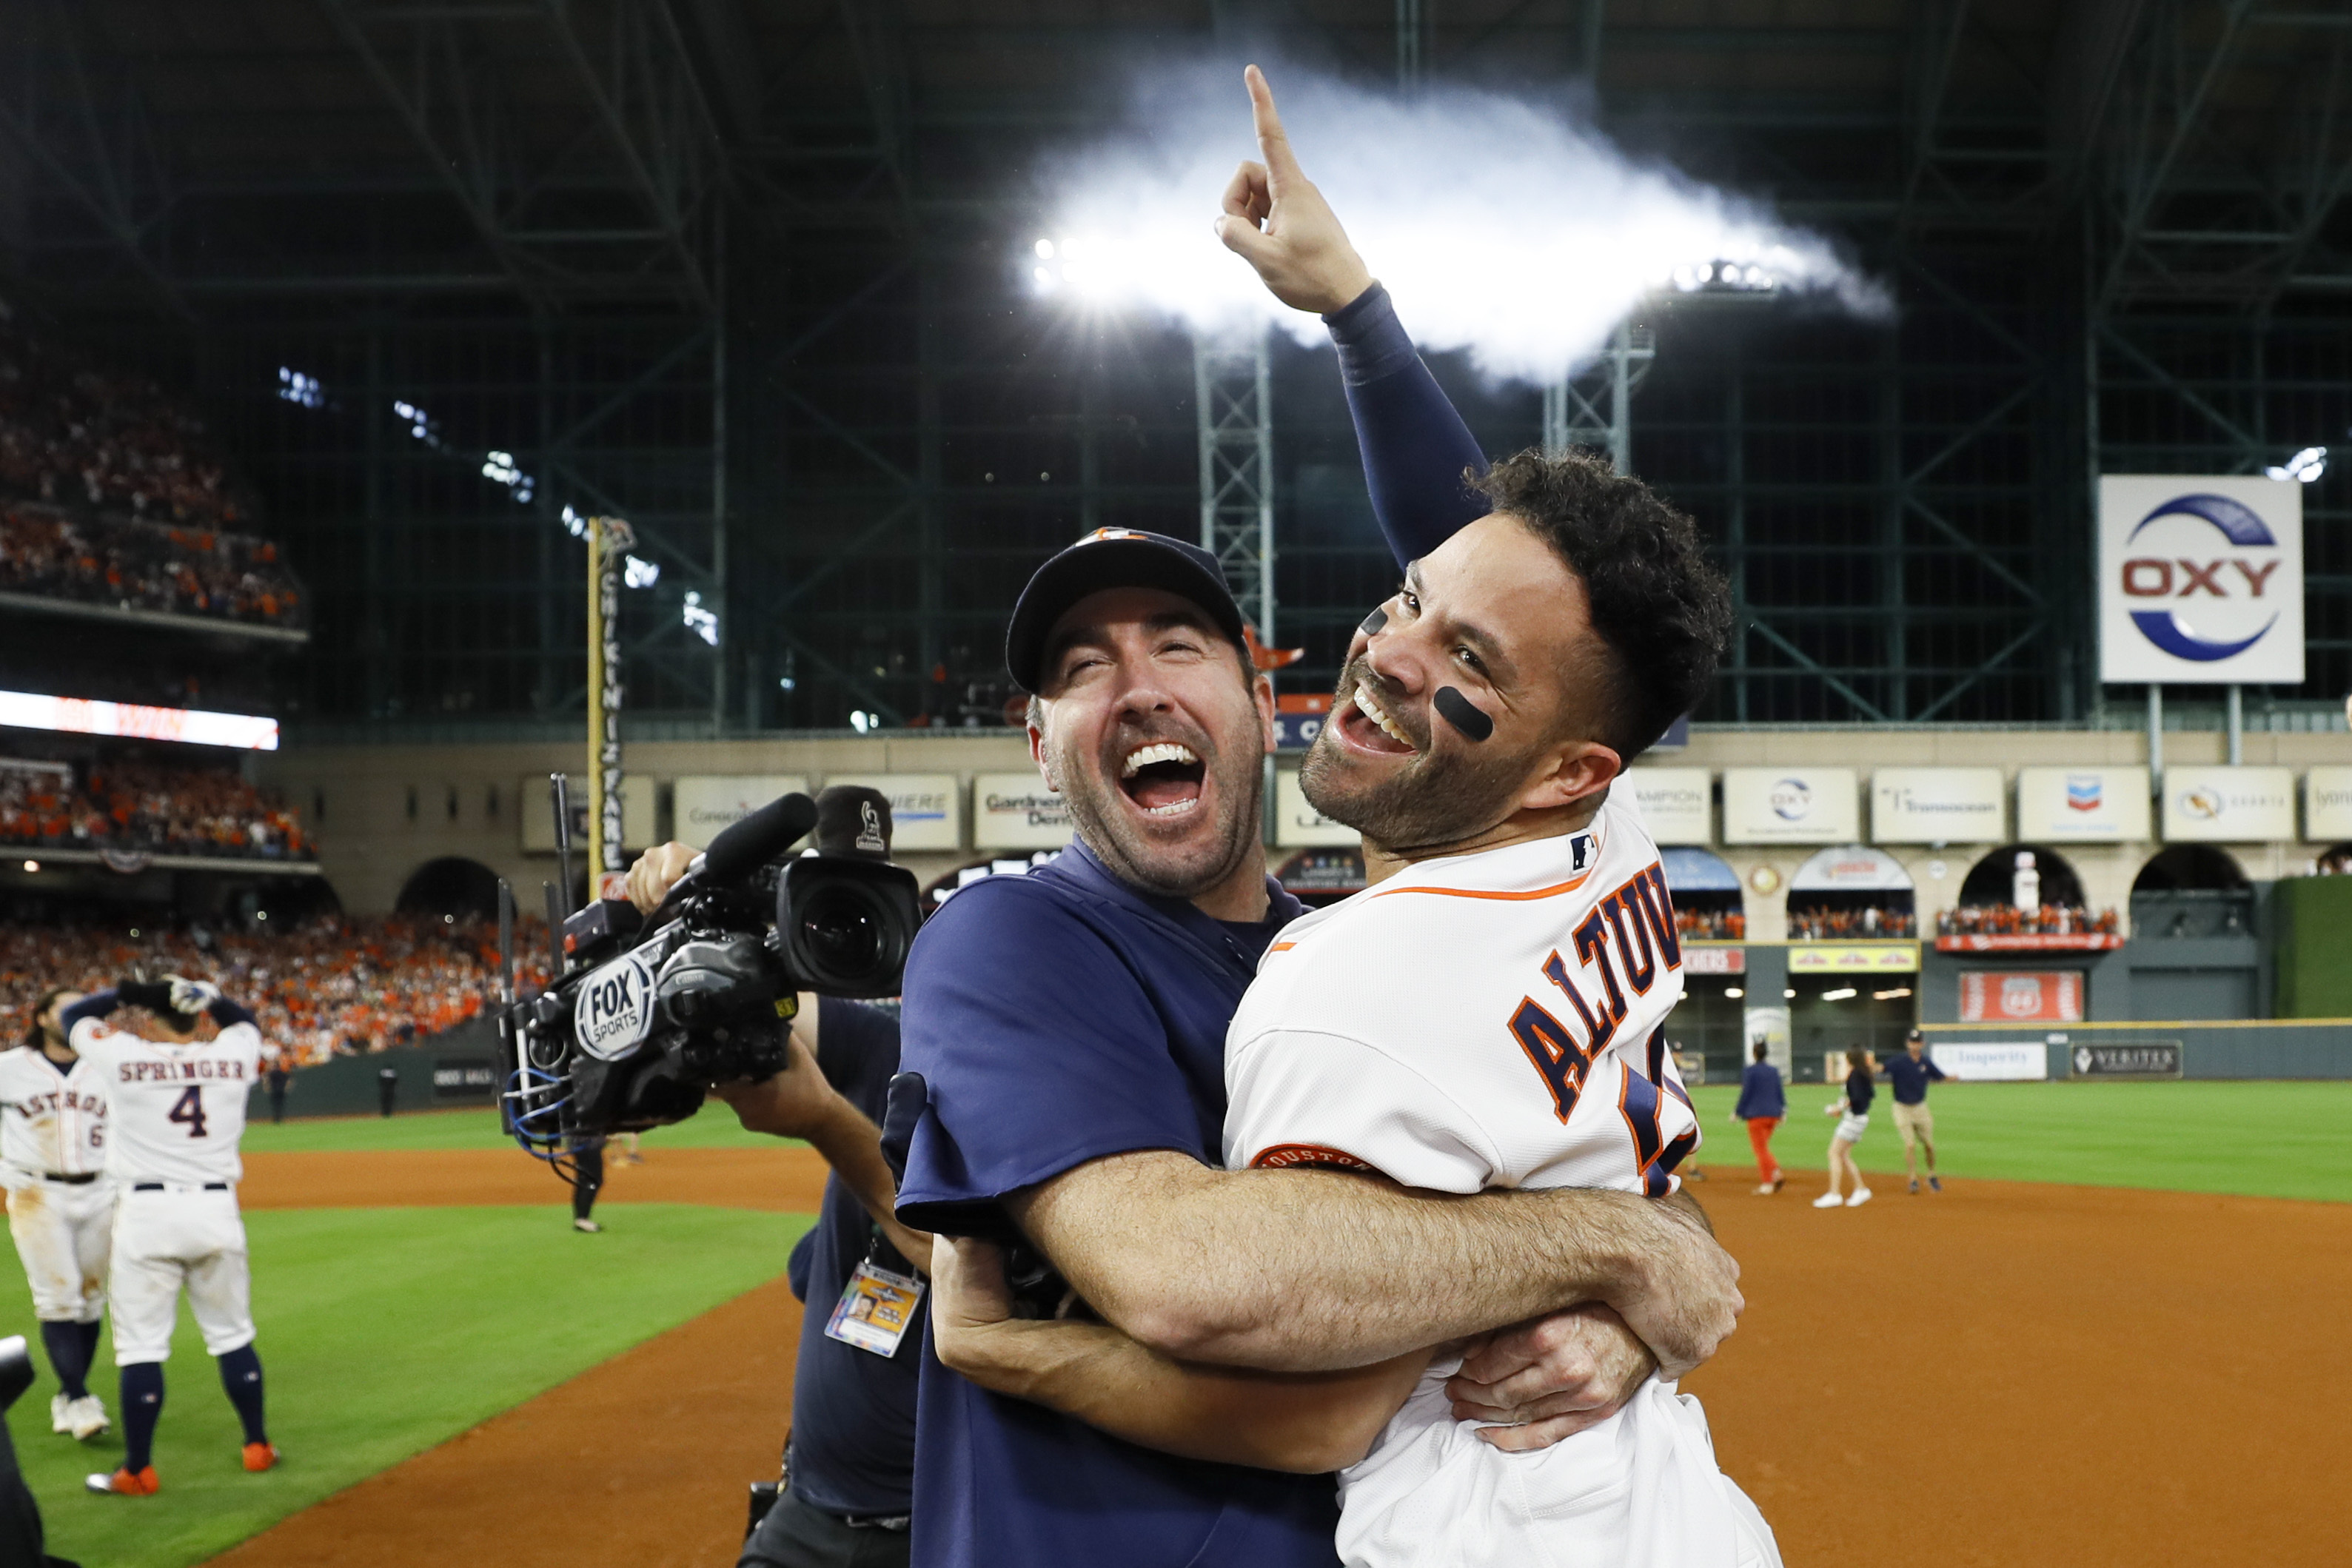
x: 259, y: 1457
x: 125, y: 1482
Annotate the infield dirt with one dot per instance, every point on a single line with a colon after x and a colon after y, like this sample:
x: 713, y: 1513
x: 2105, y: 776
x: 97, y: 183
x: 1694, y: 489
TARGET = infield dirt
x: 2007, y: 1374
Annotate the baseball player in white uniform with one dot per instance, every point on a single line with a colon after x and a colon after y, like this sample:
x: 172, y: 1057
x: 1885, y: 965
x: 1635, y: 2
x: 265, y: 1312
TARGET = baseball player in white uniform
x: 1487, y: 1013
x: 177, y: 1111
x: 60, y: 1205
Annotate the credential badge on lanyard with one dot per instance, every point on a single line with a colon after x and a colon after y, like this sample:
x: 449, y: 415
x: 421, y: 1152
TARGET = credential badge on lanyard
x: 876, y: 1309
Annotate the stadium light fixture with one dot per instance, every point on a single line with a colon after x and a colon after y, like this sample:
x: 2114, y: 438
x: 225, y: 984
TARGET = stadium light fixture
x: 499, y: 468
x: 1899, y: 991
x: 1734, y: 992
x: 2303, y: 467
x: 32, y: 865
x: 293, y: 386
x: 703, y: 623
x: 1843, y: 993
x: 640, y: 572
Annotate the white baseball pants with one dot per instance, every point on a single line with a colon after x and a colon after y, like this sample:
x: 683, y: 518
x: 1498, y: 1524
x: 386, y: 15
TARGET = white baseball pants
x: 173, y: 1236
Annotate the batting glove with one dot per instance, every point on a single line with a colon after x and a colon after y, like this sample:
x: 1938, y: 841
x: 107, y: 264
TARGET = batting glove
x: 191, y: 995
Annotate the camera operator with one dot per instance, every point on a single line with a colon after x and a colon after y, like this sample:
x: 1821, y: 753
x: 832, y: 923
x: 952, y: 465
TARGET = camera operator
x: 851, y: 1460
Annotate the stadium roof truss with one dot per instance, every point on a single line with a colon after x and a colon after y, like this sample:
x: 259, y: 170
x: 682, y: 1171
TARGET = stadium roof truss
x: 744, y: 274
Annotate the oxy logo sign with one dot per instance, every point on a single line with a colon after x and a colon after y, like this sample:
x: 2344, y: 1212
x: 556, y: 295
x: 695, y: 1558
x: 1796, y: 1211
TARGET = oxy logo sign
x: 615, y: 1009
x: 2202, y: 579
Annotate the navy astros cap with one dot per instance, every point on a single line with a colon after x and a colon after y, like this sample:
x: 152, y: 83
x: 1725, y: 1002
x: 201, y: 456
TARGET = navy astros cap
x: 1112, y: 558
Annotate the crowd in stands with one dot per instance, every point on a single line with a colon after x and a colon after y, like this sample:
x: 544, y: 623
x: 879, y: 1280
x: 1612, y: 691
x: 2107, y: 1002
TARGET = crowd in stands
x: 1840, y: 925
x: 2008, y: 919
x: 129, y: 564
x: 333, y: 987
x: 121, y: 497
x: 147, y: 808
x: 1711, y: 925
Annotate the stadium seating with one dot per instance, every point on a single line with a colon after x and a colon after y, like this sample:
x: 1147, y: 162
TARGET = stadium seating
x: 150, y: 808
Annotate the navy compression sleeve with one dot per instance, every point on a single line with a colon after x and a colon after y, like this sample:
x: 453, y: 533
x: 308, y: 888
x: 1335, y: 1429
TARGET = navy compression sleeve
x: 97, y: 1004
x: 226, y: 1013
x: 1414, y: 444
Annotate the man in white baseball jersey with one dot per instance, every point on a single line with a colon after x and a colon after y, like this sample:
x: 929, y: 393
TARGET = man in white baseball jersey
x: 60, y: 1205
x: 1488, y: 1014
x: 177, y: 1110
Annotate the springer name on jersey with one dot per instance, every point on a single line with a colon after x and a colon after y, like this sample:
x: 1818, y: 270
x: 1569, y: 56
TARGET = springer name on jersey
x: 178, y: 1109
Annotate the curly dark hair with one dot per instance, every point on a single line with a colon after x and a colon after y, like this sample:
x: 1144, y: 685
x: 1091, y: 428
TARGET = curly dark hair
x: 1663, y: 611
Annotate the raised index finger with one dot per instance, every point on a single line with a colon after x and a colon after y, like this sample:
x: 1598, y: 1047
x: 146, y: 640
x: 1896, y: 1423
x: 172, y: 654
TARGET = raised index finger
x: 1273, y: 143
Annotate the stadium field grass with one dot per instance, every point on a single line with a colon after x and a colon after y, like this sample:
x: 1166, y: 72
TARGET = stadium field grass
x: 714, y: 1128
x: 2263, y: 1140
x: 383, y: 1332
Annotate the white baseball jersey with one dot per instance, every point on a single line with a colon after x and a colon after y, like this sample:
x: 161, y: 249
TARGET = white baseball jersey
x: 1497, y: 1020
x: 176, y: 1111
x: 52, y: 1118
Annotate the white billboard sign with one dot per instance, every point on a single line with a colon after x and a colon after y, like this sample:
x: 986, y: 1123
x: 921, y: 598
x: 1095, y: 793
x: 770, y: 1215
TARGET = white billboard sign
x: 1299, y: 826
x: 2006, y: 1061
x: 2200, y: 579
x: 1936, y: 805
x: 1673, y: 803
x: 2083, y: 806
x: 2328, y: 805
x: 925, y: 810
x: 1791, y: 805
x: 1016, y: 811
x: 2229, y: 805
x: 700, y: 804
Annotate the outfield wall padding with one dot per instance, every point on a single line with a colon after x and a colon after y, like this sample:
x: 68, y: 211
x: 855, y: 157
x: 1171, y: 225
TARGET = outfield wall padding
x: 2313, y: 918
x: 2249, y: 1049
x: 442, y: 1072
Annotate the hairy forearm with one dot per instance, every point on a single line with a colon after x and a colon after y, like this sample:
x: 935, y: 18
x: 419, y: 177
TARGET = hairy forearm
x: 852, y: 1145
x: 1682, y: 1198
x: 1310, y: 1270
x: 1307, y: 1424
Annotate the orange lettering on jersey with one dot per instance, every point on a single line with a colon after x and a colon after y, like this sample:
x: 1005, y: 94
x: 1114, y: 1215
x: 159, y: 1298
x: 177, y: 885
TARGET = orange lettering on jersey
x: 1557, y: 1057
x: 1659, y: 906
x: 1592, y: 944
x: 1621, y: 906
x: 1599, y: 1026
x: 1309, y: 1156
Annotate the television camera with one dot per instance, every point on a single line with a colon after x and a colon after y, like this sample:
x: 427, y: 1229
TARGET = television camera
x: 647, y: 1011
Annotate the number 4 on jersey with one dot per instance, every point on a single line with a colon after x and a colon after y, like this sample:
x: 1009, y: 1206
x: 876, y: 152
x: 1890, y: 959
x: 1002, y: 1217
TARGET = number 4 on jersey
x: 189, y: 1110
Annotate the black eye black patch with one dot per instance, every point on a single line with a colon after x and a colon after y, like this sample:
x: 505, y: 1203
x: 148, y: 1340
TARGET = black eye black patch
x: 1458, y: 710
x: 1373, y: 623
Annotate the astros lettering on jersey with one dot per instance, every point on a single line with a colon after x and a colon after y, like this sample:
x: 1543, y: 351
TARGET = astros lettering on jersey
x: 52, y: 1116
x: 1497, y: 1020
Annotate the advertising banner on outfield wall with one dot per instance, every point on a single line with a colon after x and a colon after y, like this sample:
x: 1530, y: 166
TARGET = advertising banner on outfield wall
x: 1791, y: 805
x: 2127, y: 1058
x: 1674, y: 803
x: 2024, y: 996
x: 2229, y: 805
x: 1016, y: 811
x: 702, y: 804
x: 2000, y: 1061
x: 1937, y: 806
x: 2083, y: 806
x: 925, y: 808
x: 1299, y: 826
x: 2328, y: 805
x: 2200, y: 579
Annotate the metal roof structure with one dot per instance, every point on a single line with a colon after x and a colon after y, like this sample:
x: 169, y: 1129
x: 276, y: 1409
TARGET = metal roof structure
x: 739, y: 271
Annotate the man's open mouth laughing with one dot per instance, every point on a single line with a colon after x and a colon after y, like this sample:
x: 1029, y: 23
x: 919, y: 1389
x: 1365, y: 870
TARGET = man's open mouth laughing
x: 1163, y: 778
x: 1363, y: 723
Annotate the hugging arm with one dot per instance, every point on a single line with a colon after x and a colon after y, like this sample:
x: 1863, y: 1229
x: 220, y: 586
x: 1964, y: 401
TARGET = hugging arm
x: 1306, y: 1423
x: 1303, y: 1270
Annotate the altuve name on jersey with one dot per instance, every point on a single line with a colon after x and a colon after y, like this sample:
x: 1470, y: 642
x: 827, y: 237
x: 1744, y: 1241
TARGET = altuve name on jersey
x: 177, y: 1072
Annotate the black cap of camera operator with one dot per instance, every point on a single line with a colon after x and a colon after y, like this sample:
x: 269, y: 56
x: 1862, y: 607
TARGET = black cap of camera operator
x: 852, y: 819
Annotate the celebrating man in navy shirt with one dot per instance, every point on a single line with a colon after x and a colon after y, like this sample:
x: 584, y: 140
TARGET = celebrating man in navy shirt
x: 1069, y: 1030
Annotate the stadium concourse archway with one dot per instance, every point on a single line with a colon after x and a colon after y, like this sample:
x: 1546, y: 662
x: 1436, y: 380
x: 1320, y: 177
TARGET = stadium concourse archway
x: 1846, y: 895
x: 2189, y: 890
x: 1993, y: 881
x: 1710, y: 1019
x: 453, y: 886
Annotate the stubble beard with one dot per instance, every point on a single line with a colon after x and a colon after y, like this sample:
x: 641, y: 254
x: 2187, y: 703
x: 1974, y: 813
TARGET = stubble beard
x: 1437, y: 798
x: 1171, y: 870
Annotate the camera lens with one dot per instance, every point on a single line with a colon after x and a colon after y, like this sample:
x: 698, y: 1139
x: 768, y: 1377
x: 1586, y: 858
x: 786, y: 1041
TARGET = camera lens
x: 838, y: 929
